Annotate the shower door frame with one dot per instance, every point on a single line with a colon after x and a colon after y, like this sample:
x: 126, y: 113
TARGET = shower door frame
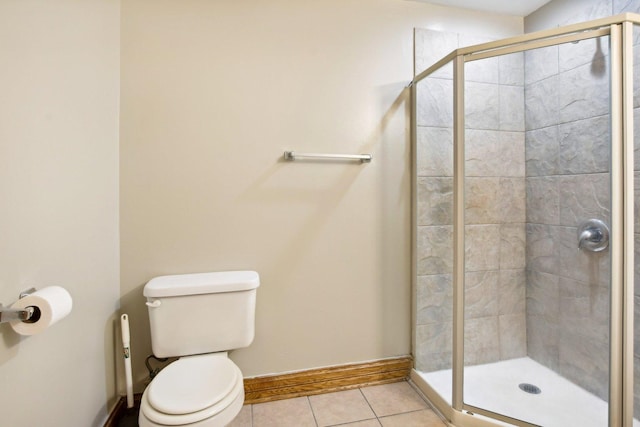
x: 619, y: 28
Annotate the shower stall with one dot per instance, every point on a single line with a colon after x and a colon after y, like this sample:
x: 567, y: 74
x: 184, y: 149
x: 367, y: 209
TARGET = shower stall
x: 523, y: 227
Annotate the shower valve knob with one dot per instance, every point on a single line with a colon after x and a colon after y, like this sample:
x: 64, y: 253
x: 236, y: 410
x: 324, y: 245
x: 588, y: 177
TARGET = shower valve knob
x: 593, y: 236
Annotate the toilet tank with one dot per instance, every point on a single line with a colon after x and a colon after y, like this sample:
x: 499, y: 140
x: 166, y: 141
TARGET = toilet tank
x: 201, y: 313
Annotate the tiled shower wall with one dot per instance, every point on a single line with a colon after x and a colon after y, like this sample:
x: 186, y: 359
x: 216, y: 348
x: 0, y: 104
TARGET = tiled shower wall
x: 495, y: 206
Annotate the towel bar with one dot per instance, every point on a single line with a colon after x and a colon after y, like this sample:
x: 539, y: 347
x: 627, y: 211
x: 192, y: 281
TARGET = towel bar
x: 293, y: 155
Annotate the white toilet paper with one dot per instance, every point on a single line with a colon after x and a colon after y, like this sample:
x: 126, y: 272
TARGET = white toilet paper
x: 53, y: 302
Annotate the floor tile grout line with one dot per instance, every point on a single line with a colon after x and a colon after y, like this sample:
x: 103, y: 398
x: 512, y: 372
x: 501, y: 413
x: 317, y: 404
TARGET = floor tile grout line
x: 313, y: 414
x: 407, y: 412
x: 375, y: 417
x: 368, y: 403
x: 428, y: 407
x: 353, y: 422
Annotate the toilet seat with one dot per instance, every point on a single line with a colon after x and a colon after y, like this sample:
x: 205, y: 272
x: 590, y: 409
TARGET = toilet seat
x: 193, y: 389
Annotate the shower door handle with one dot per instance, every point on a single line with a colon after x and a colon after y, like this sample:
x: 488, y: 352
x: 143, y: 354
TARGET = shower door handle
x: 593, y: 236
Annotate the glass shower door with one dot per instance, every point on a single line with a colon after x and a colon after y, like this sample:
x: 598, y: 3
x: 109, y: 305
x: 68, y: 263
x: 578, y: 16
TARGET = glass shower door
x: 434, y: 206
x: 537, y: 182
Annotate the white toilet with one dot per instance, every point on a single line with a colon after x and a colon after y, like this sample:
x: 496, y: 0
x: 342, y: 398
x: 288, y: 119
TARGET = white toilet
x: 198, y: 317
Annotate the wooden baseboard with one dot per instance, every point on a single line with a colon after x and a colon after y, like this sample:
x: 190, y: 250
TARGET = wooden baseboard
x: 326, y: 380
x: 306, y: 383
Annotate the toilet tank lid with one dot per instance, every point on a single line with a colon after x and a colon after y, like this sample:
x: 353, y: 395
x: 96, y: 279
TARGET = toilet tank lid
x: 201, y: 283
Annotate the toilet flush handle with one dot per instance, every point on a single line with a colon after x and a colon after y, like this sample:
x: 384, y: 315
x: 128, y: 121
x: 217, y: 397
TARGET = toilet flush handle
x: 155, y: 303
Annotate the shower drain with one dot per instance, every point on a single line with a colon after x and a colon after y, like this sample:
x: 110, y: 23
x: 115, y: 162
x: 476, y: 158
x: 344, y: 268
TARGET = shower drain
x: 530, y: 388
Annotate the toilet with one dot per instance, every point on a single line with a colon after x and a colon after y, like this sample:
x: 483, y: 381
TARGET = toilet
x: 198, y: 318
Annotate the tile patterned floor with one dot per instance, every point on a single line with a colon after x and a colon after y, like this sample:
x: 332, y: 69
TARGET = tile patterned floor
x: 389, y: 405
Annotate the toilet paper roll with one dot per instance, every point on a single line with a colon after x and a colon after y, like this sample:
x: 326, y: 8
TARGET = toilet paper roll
x: 52, y: 304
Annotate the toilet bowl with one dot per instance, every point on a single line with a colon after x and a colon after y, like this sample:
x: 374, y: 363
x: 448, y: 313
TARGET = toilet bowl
x: 198, y: 391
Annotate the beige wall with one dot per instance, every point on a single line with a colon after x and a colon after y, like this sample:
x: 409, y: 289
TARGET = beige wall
x: 213, y: 92
x: 59, y: 91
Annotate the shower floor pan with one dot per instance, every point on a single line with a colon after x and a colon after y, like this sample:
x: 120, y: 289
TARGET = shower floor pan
x: 494, y: 386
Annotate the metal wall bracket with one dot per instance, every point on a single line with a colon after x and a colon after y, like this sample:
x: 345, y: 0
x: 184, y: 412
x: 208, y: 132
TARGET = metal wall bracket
x: 8, y: 314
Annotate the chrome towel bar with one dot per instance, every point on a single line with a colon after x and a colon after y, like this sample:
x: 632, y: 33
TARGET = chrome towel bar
x: 293, y: 155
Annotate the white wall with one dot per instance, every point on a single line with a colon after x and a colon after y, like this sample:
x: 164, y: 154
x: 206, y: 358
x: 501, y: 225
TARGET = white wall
x: 213, y: 92
x: 59, y: 87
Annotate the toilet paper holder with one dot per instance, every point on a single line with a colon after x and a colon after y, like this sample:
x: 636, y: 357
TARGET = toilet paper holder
x: 28, y: 314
